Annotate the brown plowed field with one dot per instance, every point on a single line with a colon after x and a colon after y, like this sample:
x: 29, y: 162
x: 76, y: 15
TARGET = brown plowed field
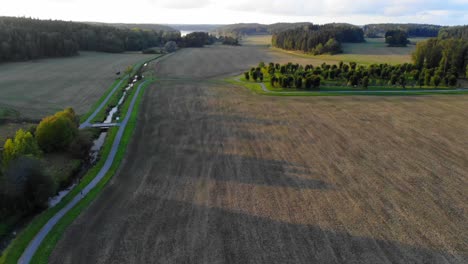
x: 216, y: 174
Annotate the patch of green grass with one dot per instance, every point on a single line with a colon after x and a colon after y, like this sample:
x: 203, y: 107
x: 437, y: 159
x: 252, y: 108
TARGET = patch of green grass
x: 48, y: 244
x: 374, y: 50
x: 345, y: 91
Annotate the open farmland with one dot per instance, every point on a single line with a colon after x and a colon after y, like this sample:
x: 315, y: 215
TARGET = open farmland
x: 374, y: 50
x: 217, y: 174
x: 38, y: 88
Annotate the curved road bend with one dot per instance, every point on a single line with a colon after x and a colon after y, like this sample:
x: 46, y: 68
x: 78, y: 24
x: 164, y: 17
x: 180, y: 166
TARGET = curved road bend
x: 36, y: 242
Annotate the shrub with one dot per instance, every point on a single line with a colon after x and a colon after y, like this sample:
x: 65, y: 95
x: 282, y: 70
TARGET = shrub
x: 27, y: 185
x: 81, y: 145
x: 170, y: 46
x: 55, y: 133
x: 23, y: 144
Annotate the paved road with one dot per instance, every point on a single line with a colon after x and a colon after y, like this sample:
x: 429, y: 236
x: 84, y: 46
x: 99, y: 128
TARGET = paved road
x: 265, y: 89
x: 36, y: 242
x: 87, y: 123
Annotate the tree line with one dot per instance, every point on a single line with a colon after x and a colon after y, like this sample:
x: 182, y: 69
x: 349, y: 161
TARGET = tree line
x: 25, y: 186
x: 196, y: 39
x: 27, y: 38
x: 444, y: 55
x: 458, y: 32
x: 242, y: 29
x: 412, y: 30
x: 318, y: 39
x: 349, y: 74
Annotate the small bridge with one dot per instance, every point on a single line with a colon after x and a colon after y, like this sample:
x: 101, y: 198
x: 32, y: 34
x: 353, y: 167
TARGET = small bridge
x: 105, y: 125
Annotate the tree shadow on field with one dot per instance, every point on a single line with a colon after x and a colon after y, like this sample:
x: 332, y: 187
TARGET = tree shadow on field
x: 227, y: 236
x: 250, y: 170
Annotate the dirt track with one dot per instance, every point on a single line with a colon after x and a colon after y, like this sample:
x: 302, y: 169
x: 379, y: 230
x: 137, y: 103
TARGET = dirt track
x: 216, y: 174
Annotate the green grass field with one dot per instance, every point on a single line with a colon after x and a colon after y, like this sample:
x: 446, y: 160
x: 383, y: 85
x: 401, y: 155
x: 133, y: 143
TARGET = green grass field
x: 328, y: 90
x: 369, y: 52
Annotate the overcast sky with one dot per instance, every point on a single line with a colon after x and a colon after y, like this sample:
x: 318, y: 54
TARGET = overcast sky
x: 359, y: 12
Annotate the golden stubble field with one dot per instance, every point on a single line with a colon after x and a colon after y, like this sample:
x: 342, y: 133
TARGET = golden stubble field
x: 217, y: 174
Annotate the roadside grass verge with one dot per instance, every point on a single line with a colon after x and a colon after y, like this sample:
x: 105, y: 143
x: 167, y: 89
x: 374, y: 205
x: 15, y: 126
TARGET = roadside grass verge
x: 48, y: 244
x: 103, y: 113
x: 338, y: 90
x: 96, y: 105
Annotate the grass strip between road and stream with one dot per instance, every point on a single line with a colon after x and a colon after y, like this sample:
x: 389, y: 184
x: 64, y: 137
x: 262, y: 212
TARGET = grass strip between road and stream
x: 16, y: 248
x: 115, y: 98
x: 257, y: 88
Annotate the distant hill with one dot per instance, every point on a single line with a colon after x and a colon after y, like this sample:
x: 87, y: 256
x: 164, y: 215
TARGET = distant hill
x: 413, y: 30
x: 454, y: 32
x: 236, y: 30
x: 194, y: 27
x: 154, y: 27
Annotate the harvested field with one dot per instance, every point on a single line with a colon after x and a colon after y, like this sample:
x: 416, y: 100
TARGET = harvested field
x: 42, y: 87
x: 216, y: 174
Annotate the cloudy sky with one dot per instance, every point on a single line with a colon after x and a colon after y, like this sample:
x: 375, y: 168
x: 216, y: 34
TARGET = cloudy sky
x: 359, y: 12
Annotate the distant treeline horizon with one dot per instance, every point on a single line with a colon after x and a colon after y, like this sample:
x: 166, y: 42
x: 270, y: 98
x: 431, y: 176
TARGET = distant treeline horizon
x: 24, y: 38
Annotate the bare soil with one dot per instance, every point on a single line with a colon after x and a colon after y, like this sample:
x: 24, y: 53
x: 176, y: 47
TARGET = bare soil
x: 217, y: 174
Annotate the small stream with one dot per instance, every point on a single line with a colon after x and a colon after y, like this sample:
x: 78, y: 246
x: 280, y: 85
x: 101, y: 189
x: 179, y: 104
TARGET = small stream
x: 95, y: 149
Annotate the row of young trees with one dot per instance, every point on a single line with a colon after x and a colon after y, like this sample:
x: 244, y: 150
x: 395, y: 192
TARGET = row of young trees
x: 318, y: 39
x: 26, y: 38
x: 298, y: 76
x: 25, y: 186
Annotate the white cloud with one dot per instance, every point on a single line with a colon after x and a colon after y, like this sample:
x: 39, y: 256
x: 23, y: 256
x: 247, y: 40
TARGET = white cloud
x: 263, y: 11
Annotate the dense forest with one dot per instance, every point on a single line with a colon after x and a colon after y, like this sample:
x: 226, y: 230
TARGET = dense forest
x: 447, y: 56
x: 26, y: 38
x: 152, y: 27
x: 460, y: 32
x: 413, y: 30
x: 318, y: 39
x: 196, y: 39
